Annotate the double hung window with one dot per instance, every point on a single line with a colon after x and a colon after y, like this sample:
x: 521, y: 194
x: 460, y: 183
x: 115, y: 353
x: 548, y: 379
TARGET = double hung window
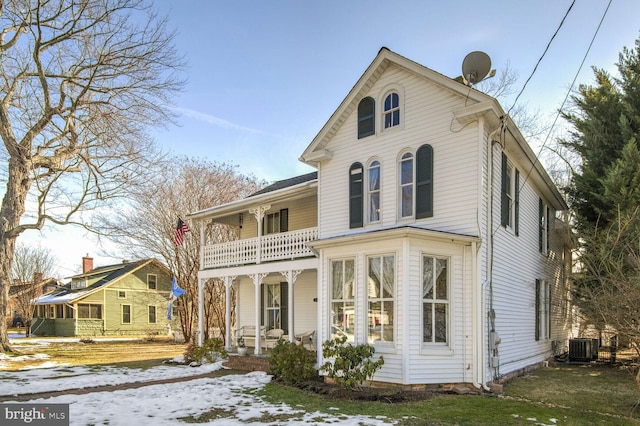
x: 391, y: 110
x: 373, y: 191
x: 343, y: 299
x: 435, y: 300
x: 381, y: 292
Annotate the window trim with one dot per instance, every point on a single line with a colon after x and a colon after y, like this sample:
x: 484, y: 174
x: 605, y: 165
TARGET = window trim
x: 542, y: 310
x: 282, y: 221
x: 448, y: 302
x: 510, y: 195
x: 122, y: 314
x: 392, y: 299
x: 392, y: 111
x: 155, y: 314
x: 546, y: 220
x: 154, y: 280
x: 406, y: 157
x: 90, y: 306
x: 345, y: 301
x: 377, y: 191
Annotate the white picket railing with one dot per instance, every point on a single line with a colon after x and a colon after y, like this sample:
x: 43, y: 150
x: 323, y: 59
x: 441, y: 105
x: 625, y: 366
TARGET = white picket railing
x: 281, y: 246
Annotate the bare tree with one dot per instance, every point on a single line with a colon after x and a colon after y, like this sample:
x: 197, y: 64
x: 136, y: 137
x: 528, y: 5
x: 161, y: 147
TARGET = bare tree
x: 146, y: 227
x: 32, y: 269
x: 29, y: 261
x: 80, y: 82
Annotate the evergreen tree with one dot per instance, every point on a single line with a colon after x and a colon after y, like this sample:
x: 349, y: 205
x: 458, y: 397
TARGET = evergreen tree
x: 606, y: 120
x: 605, y: 196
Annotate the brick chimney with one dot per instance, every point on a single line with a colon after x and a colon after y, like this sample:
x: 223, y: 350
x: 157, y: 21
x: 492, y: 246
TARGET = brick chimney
x: 37, y: 277
x: 87, y: 264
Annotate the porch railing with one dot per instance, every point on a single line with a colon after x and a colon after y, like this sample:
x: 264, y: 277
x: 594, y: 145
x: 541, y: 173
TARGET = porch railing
x: 281, y: 246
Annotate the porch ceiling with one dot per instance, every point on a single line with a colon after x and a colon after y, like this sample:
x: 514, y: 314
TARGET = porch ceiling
x: 271, y: 267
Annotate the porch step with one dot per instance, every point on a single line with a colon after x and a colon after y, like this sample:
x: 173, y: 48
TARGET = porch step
x: 247, y: 363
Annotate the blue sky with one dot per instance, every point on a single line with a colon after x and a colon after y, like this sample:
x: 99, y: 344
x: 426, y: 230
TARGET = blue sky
x: 264, y: 76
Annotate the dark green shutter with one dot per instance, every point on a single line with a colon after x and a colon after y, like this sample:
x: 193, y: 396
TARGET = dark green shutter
x: 355, y: 196
x: 516, y: 205
x: 424, y: 182
x: 504, y: 192
x: 540, y: 225
x: 366, y: 117
x: 284, y: 307
x: 284, y: 220
x: 537, y: 313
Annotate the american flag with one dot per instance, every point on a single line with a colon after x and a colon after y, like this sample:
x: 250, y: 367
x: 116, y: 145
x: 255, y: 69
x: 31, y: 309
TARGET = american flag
x: 180, y: 231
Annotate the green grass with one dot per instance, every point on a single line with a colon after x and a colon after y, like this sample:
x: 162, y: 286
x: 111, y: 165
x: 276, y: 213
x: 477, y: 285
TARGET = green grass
x: 564, y: 395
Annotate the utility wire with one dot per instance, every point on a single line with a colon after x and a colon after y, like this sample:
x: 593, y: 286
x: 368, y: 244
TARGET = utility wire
x: 584, y: 59
x: 543, y: 54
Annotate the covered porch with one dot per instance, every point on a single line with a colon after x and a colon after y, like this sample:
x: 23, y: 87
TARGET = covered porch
x: 274, y: 300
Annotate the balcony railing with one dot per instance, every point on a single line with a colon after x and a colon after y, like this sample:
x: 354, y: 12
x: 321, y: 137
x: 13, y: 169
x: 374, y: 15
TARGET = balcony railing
x: 281, y: 246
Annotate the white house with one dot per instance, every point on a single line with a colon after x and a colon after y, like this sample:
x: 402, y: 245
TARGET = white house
x: 428, y: 231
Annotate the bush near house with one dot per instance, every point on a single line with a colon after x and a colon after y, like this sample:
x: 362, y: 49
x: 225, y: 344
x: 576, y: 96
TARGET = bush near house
x: 351, y: 365
x: 292, y: 363
x: 212, y: 350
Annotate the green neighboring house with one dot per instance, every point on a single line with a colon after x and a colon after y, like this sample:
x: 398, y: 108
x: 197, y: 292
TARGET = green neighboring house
x: 126, y: 299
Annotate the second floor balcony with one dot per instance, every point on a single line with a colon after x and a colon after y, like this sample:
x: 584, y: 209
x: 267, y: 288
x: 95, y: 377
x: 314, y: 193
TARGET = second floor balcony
x: 267, y: 248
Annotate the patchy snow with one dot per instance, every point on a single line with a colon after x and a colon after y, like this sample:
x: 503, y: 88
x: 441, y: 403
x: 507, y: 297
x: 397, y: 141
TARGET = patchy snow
x: 232, y: 398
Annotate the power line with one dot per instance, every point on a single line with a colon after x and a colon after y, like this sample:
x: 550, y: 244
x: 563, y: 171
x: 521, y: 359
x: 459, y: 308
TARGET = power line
x: 543, y: 54
x: 584, y: 59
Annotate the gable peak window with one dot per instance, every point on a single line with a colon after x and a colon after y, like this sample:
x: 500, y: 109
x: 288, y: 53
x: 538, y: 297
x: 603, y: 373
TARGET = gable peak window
x: 366, y: 117
x: 391, y: 110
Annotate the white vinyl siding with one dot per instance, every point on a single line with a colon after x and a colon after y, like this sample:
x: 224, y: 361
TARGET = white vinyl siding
x: 426, y: 111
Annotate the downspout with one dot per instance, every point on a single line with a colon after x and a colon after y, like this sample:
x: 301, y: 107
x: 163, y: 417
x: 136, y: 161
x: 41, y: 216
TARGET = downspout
x: 481, y: 290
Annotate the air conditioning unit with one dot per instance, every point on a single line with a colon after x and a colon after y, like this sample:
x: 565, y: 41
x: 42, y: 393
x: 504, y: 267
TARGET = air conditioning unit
x: 583, y: 350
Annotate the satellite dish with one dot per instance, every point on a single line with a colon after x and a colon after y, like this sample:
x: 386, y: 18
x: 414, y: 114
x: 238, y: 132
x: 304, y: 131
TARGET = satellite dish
x: 475, y: 67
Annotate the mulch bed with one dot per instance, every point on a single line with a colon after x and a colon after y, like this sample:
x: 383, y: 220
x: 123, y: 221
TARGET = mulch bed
x: 373, y: 394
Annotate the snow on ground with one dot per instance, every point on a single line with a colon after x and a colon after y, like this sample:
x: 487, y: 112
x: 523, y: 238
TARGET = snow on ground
x: 232, y: 397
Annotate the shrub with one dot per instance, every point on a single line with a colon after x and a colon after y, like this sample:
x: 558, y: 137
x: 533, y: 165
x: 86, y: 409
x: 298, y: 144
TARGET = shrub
x: 351, y: 365
x: 292, y: 363
x: 212, y: 350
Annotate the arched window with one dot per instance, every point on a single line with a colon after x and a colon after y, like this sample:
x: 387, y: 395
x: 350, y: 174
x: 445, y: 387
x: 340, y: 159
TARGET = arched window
x: 424, y: 182
x: 391, y: 110
x: 355, y: 196
x: 406, y: 185
x: 373, y: 191
x: 366, y: 117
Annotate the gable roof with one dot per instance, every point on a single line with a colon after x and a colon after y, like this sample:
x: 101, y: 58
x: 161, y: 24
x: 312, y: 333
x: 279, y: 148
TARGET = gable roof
x: 16, y: 289
x: 112, y: 273
x: 316, y: 150
x: 478, y: 105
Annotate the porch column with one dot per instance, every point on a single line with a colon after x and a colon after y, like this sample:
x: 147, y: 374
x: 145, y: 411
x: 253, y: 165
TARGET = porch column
x: 200, y: 312
x: 257, y: 281
x: 291, y: 277
x: 258, y: 212
x: 228, y: 281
